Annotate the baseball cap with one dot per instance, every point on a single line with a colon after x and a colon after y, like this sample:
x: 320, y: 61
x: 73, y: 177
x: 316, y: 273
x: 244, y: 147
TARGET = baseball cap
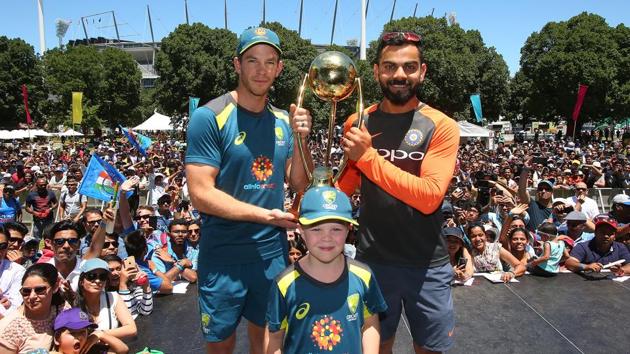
x: 576, y: 216
x: 453, y: 231
x: 557, y: 201
x: 621, y: 199
x: 547, y: 182
x: 602, y: 219
x: 74, y: 319
x: 257, y: 35
x: 325, y: 203
x: 94, y: 264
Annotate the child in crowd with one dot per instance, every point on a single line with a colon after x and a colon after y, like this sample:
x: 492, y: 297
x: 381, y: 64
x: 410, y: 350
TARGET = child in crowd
x: 72, y: 335
x: 553, y: 251
x: 297, y: 250
x: 325, y: 301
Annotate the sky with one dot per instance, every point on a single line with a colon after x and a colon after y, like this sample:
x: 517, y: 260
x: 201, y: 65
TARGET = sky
x: 503, y: 24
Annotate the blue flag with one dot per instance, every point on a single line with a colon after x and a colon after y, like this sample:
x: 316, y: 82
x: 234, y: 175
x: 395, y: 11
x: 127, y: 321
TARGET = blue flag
x: 476, y: 103
x: 99, y: 179
x: 138, y: 141
x: 193, y: 102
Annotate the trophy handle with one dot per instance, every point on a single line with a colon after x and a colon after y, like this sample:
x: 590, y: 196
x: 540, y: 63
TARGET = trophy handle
x: 344, y: 161
x: 299, y: 102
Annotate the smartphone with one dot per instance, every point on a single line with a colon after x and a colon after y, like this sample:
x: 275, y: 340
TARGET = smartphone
x: 130, y: 262
x: 153, y: 221
x: 462, y: 262
x: 540, y: 160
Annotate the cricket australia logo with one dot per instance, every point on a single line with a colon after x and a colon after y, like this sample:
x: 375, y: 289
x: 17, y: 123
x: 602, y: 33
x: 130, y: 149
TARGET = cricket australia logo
x: 353, y: 304
x: 413, y: 137
x: 329, y: 200
x: 280, y: 137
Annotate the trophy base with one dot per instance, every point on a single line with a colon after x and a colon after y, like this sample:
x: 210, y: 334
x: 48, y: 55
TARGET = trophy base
x: 322, y: 176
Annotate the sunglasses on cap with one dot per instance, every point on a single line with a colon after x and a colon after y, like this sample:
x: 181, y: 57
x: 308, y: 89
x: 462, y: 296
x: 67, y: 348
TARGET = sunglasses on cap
x: 39, y: 290
x: 407, y: 36
x: 94, y: 275
x: 62, y: 241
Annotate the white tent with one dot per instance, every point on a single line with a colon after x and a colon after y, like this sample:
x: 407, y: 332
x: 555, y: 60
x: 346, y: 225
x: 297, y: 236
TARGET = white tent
x: 40, y: 132
x: 469, y: 130
x: 6, y: 135
x: 156, y: 122
x: 70, y: 132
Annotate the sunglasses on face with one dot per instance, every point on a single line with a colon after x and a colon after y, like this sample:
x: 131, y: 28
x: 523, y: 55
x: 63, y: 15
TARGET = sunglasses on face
x: 62, y: 241
x: 94, y: 222
x: 194, y: 231
x: 107, y: 244
x: 580, y: 189
x: 407, y: 36
x: 17, y: 240
x: 93, y: 276
x: 39, y: 290
x: 141, y: 217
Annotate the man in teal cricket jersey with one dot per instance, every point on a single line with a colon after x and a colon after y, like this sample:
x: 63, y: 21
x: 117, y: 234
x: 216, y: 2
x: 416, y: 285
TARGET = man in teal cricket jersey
x: 240, y: 152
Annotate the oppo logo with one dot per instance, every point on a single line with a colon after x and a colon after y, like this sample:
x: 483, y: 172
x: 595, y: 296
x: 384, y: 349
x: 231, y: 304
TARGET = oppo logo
x: 393, y: 155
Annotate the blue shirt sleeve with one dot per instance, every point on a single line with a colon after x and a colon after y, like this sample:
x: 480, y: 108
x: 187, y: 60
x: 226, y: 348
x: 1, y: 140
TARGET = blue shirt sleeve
x: 203, y: 138
x: 159, y: 265
x: 374, y: 301
x: 276, y: 309
x: 579, y: 252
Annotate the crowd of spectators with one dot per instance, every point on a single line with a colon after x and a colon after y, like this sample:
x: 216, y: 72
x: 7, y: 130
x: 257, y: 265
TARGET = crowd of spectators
x: 502, y: 214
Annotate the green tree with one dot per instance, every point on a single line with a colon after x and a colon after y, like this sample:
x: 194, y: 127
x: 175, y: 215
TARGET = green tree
x: 582, y: 50
x: 19, y: 65
x: 459, y: 64
x: 194, y: 60
x: 109, y: 80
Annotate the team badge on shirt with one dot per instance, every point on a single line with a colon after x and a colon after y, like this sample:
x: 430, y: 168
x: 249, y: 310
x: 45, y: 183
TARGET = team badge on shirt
x: 280, y: 137
x: 326, y: 333
x: 353, y: 303
x: 413, y: 137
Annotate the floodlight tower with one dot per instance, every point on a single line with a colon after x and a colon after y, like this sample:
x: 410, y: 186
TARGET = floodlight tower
x: 40, y: 17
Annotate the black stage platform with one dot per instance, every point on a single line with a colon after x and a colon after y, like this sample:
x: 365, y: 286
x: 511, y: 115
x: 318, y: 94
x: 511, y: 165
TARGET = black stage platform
x: 565, y: 314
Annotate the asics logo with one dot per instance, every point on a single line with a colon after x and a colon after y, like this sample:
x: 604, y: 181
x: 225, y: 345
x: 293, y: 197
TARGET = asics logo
x: 302, y: 310
x: 240, y: 138
x: 393, y: 155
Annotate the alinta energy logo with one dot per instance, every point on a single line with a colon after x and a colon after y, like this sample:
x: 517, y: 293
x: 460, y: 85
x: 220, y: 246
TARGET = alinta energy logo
x: 262, y: 170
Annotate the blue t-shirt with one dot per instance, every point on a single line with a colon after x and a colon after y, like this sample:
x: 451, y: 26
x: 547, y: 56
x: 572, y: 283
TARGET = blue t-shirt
x: 9, y: 209
x: 587, y: 253
x: 164, y: 267
x: 323, y: 317
x: 250, y: 150
x: 154, y: 281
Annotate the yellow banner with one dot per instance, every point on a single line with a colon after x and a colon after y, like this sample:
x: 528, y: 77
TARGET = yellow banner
x: 77, y: 107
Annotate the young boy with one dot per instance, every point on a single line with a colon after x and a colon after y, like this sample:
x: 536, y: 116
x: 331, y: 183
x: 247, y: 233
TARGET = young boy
x: 325, y: 302
x: 72, y: 335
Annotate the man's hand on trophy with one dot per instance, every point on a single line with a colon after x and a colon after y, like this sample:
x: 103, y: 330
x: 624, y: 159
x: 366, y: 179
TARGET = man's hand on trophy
x: 301, y: 120
x: 356, y: 142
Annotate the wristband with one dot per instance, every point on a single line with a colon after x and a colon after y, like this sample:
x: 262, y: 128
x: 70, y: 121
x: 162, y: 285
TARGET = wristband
x: 179, y: 266
x: 581, y: 267
x: 124, y: 292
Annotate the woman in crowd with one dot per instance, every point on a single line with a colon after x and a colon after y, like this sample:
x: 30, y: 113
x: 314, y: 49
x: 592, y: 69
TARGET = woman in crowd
x: 30, y: 327
x: 107, y: 309
x: 488, y: 256
x: 131, y: 284
x: 297, y: 250
x: 460, y: 258
x: 518, y: 242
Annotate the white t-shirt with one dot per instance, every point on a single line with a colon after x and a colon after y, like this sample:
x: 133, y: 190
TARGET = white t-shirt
x: 107, y: 314
x: 72, y: 202
x: 589, y: 207
x: 73, y: 277
x: 10, y: 283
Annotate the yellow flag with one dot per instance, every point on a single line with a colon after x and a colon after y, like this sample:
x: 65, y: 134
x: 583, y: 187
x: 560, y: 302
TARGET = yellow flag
x: 77, y: 107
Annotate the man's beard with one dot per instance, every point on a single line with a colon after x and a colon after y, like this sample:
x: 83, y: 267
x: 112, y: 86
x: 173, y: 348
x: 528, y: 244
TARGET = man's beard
x: 399, y: 98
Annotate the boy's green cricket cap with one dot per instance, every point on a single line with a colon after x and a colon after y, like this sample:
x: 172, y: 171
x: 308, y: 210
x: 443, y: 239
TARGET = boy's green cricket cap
x: 257, y: 35
x: 325, y: 203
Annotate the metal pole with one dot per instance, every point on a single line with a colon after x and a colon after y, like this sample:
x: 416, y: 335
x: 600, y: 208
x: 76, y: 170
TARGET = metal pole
x: 186, y: 9
x: 116, y: 26
x: 332, y: 33
x: 362, y: 51
x: 432, y: 11
x: 87, y: 40
x: 367, y: 7
x: 263, y: 20
x: 151, y: 26
x: 300, y: 25
x: 415, y: 9
x: 391, y: 17
x: 40, y: 18
x: 225, y: 13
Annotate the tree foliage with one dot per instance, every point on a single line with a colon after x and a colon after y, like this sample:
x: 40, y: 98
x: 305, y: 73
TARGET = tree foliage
x: 459, y: 64
x: 109, y: 80
x: 196, y: 61
x: 582, y: 50
x: 19, y: 65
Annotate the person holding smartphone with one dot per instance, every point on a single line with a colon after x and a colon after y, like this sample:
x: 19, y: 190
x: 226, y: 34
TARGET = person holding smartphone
x: 459, y: 255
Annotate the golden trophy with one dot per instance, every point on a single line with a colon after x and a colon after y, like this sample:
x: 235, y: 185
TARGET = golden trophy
x: 332, y: 77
